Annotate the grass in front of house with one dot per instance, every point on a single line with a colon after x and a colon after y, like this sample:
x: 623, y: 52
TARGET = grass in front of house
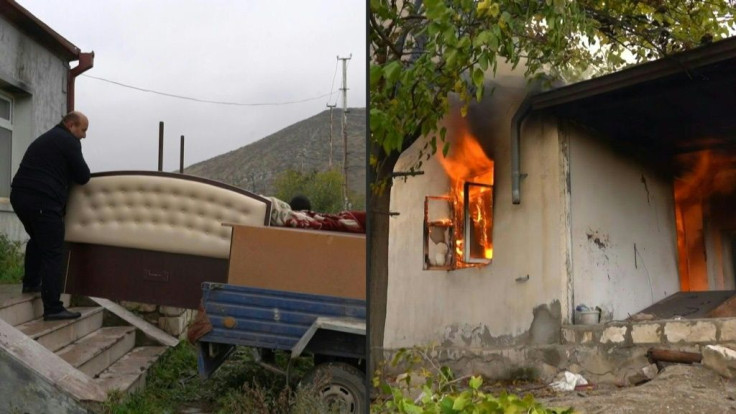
x: 11, y: 261
x: 238, y: 386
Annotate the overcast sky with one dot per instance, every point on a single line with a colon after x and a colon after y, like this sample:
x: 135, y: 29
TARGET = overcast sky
x: 239, y: 51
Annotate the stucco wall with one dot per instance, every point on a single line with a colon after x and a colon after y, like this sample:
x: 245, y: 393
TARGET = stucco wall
x: 24, y: 391
x: 484, y: 307
x: 623, y: 228
x: 36, y: 80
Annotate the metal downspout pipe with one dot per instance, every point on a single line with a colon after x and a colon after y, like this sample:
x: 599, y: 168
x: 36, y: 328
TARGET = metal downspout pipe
x: 516, y: 121
x: 86, y: 61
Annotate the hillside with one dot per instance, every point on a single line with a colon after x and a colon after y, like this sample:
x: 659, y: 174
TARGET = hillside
x: 303, y: 146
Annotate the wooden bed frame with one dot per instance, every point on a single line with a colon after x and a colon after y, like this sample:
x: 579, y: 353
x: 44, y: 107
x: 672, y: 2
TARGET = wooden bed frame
x: 153, y: 237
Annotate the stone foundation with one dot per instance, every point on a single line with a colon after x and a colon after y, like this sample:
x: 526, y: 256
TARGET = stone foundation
x: 615, y: 352
x: 172, y: 320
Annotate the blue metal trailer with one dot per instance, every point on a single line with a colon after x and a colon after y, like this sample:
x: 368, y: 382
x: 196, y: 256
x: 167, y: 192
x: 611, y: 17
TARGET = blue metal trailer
x: 331, y: 329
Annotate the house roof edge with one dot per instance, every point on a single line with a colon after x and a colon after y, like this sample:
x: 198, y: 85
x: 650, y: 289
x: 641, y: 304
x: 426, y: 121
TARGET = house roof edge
x: 38, y: 30
x: 678, y: 63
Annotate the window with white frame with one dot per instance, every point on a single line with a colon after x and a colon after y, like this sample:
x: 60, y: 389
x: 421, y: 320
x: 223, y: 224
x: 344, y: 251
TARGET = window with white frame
x: 6, y: 143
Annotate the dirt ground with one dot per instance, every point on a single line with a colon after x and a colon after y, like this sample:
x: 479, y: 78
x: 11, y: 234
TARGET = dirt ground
x: 677, y: 389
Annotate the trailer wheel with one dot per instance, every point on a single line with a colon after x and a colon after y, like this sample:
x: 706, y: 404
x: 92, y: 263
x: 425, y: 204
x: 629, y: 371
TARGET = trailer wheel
x: 341, y: 386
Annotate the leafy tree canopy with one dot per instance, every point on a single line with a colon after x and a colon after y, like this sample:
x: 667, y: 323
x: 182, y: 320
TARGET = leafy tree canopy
x: 422, y: 51
x: 323, y: 189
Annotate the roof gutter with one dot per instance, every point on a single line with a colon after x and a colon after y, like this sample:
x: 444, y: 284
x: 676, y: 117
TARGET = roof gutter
x: 516, y: 121
x: 86, y: 61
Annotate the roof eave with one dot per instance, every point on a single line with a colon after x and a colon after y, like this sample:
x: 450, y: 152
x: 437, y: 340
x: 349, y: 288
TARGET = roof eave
x: 638, y: 74
x: 38, y: 30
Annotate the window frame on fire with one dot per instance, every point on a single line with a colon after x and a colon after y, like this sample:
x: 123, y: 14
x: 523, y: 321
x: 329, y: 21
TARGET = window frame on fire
x: 452, y: 264
x: 467, y: 219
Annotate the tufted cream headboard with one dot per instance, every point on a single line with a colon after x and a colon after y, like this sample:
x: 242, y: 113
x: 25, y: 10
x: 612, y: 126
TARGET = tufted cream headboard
x: 161, y: 212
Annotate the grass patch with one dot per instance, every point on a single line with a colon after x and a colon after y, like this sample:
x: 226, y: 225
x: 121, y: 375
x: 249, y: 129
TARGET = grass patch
x: 238, y: 386
x: 11, y: 261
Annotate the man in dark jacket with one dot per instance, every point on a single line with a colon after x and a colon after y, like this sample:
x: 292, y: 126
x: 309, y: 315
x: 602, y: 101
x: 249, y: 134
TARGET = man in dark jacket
x: 39, y: 193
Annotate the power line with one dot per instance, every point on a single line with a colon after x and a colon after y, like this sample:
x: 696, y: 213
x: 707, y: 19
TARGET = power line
x: 208, y: 101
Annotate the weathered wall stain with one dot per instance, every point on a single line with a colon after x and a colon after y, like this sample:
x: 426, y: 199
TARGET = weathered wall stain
x: 544, y: 329
x: 600, y: 240
x: 646, y: 188
x: 473, y: 336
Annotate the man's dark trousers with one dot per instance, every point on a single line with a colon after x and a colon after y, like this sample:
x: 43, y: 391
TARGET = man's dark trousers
x: 44, y: 251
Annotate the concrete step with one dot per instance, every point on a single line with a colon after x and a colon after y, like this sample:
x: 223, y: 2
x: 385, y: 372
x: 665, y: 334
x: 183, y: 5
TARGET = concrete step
x: 55, y: 335
x: 20, y: 308
x: 95, y: 352
x: 128, y: 374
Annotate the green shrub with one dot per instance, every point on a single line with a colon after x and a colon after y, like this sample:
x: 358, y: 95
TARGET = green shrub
x: 254, y: 398
x: 240, y: 385
x: 425, y: 387
x: 11, y: 260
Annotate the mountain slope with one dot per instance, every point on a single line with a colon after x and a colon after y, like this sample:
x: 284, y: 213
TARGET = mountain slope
x: 303, y: 146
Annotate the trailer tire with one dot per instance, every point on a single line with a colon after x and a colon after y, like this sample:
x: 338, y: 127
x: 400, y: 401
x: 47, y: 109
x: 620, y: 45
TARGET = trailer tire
x: 344, y: 387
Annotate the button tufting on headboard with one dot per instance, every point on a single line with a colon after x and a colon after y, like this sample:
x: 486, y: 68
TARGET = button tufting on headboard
x: 164, y: 212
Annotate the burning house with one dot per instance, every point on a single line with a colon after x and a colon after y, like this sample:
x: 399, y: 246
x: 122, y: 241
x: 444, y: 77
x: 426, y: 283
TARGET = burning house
x: 614, y: 193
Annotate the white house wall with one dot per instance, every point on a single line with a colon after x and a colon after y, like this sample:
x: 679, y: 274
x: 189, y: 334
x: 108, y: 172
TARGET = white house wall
x: 36, y: 79
x: 494, y: 305
x: 624, y: 249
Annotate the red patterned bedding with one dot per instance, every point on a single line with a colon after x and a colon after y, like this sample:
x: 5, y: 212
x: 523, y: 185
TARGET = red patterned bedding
x: 346, y: 221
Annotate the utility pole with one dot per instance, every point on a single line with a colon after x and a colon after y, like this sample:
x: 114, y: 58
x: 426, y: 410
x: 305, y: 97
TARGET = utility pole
x: 161, y: 146
x: 331, y: 108
x: 181, y: 155
x: 345, y: 130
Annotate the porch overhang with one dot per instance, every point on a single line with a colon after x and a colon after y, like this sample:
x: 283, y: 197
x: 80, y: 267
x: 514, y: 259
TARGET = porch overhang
x: 678, y: 104
x: 665, y: 104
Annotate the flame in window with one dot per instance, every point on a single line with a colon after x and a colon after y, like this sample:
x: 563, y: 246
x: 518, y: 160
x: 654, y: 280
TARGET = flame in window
x: 469, y: 168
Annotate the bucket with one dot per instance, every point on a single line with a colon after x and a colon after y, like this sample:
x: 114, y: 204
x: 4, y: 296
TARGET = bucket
x: 588, y: 317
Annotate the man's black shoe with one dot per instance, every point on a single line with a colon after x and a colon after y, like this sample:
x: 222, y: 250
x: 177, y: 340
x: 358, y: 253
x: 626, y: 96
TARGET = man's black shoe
x: 31, y: 289
x: 64, y: 314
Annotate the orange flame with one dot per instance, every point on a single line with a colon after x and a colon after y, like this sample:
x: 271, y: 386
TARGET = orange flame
x: 703, y: 176
x: 467, y: 161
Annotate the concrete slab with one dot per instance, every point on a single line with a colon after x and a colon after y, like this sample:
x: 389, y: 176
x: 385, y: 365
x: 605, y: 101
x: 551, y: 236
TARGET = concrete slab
x: 9, y: 291
x: 689, y: 305
x: 21, y: 309
x: 47, y: 365
x: 54, y: 335
x: 98, y: 350
x: 129, y: 372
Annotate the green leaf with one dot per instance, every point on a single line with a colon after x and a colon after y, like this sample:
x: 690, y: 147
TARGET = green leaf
x: 376, y: 73
x: 475, y: 382
x: 391, y: 71
x: 451, y: 57
x: 494, y: 9
x: 461, y: 402
x: 445, y: 148
x: 483, y: 61
x: 410, y: 408
x: 478, y: 77
x: 446, y: 405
